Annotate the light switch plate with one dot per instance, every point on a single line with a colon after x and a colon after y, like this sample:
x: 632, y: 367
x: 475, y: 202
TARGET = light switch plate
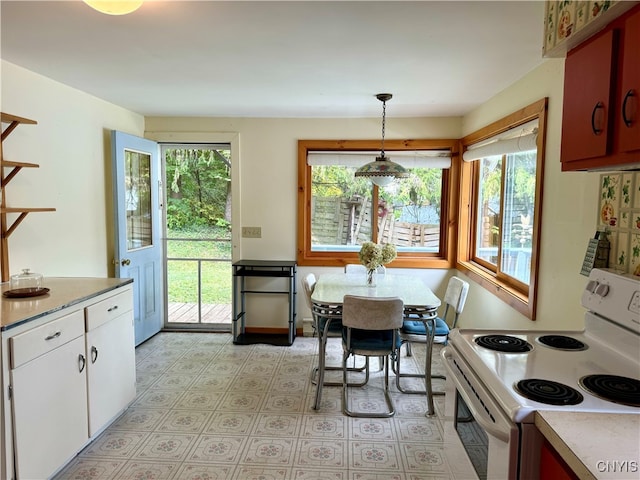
x: 252, y: 232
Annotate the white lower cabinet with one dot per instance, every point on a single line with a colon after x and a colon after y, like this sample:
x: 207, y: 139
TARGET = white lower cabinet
x: 69, y: 379
x: 111, y: 380
x: 49, y: 410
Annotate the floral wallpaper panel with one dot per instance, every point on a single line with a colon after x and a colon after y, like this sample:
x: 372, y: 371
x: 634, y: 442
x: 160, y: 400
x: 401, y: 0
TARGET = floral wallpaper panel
x: 619, y: 216
x: 563, y: 18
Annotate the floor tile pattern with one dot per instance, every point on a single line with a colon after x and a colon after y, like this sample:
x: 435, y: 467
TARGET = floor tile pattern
x: 207, y: 409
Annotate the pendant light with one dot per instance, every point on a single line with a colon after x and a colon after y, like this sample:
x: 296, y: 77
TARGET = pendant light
x: 382, y: 171
x: 120, y: 7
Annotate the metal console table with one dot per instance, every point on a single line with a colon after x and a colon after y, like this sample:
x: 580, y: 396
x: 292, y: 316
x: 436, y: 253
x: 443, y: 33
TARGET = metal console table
x: 262, y: 268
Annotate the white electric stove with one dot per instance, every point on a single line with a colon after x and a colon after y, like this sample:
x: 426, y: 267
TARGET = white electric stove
x: 497, y: 380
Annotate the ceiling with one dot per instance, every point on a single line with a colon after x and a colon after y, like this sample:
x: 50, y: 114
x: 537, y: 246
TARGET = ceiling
x: 280, y: 59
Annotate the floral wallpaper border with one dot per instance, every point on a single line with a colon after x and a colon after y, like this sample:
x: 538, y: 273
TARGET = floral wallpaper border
x: 619, y: 214
x: 563, y: 18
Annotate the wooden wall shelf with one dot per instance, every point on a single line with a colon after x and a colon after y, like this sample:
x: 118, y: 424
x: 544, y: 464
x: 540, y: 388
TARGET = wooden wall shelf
x: 17, y: 166
x: 5, y: 229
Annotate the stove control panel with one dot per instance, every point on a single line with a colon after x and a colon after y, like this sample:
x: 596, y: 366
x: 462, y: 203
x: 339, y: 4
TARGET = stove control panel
x: 614, y: 296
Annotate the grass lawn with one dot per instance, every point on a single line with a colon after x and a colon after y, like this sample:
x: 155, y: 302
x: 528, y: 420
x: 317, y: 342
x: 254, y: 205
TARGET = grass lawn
x: 215, y: 260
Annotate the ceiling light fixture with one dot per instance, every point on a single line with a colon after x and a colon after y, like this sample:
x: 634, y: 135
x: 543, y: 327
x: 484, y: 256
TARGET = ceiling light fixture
x: 382, y: 171
x: 121, y: 7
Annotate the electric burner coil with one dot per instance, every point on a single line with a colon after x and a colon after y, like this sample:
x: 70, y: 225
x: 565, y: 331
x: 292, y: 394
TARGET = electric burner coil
x: 504, y: 343
x: 549, y: 392
x: 562, y: 342
x: 614, y: 388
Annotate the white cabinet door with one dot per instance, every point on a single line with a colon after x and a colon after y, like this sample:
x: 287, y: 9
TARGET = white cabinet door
x: 111, y: 367
x: 49, y: 410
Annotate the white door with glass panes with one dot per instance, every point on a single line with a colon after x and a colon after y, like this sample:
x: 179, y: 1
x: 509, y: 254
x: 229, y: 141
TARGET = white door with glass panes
x: 138, y: 247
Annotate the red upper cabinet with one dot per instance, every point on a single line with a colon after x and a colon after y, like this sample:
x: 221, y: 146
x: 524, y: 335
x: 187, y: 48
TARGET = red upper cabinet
x: 588, y: 98
x: 601, y: 107
x: 628, y: 111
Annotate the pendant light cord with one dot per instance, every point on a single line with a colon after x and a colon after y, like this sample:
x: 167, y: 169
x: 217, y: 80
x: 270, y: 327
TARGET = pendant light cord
x: 384, y: 114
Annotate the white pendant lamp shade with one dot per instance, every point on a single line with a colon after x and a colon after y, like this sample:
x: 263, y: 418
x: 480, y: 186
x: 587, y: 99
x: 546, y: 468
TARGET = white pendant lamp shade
x: 382, y: 171
x: 114, y: 8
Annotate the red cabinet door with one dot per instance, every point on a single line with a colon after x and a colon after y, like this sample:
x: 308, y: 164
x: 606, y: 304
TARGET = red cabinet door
x: 628, y: 114
x: 552, y: 466
x: 586, y: 116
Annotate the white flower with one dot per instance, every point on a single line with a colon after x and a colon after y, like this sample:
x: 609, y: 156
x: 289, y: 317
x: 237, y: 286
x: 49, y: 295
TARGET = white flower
x: 372, y: 255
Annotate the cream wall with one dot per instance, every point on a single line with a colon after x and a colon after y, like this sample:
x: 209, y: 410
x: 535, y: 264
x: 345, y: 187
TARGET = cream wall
x: 266, y: 177
x: 568, y: 218
x: 71, y: 145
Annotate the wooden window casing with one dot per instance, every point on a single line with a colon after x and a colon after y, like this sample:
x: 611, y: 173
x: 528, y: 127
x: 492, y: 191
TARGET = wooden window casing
x: 519, y: 296
x: 445, y: 259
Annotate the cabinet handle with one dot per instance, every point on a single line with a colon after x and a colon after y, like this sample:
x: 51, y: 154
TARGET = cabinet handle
x: 627, y: 121
x: 51, y: 337
x: 94, y: 354
x: 82, y: 362
x: 115, y: 307
x: 596, y: 131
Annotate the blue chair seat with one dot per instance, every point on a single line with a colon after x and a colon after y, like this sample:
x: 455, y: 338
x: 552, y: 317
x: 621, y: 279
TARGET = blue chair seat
x: 335, y: 326
x: 371, y: 339
x: 416, y: 327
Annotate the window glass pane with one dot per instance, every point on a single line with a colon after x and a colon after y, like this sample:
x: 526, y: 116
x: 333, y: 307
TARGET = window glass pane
x: 519, y: 202
x: 138, y: 197
x: 488, y: 214
x: 409, y: 212
x: 340, y: 209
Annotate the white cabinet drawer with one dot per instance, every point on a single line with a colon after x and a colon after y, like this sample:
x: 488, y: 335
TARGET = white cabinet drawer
x: 40, y: 340
x: 101, y: 312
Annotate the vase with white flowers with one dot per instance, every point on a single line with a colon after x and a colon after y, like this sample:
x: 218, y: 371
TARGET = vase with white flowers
x: 372, y: 256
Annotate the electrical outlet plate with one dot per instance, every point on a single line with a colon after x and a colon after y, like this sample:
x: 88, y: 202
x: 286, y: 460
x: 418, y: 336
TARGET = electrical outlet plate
x: 252, y: 232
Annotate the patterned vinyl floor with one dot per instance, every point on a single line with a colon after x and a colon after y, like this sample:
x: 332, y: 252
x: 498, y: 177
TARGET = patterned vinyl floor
x: 207, y: 409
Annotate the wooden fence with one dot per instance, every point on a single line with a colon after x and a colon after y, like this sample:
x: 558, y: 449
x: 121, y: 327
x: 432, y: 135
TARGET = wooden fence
x: 342, y: 221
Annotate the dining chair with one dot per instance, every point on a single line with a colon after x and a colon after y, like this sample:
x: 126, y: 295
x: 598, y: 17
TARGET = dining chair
x: 370, y: 329
x: 418, y: 327
x: 327, y: 322
x: 359, y: 268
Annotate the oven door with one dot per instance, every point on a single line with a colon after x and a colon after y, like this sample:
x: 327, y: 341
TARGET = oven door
x: 488, y: 436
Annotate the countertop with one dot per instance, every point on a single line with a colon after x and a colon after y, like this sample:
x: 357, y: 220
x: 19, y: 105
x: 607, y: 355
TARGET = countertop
x: 63, y: 292
x: 595, y: 445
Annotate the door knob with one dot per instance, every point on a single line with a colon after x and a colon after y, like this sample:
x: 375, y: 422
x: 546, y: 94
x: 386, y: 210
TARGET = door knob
x: 125, y: 261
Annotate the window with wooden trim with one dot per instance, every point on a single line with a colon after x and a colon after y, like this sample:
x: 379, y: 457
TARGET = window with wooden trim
x: 501, y: 191
x: 338, y: 212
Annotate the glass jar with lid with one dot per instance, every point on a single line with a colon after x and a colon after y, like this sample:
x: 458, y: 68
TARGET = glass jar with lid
x: 26, y: 281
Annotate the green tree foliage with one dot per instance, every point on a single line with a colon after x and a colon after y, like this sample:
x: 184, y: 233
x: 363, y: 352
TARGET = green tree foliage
x: 422, y: 188
x: 522, y: 178
x: 520, y: 190
x: 524, y: 172
x: 338, y: 181
x: 198, y: 187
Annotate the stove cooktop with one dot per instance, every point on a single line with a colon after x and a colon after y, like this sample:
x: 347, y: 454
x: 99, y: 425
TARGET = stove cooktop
x: 525, y: 371
x: 571, y: 358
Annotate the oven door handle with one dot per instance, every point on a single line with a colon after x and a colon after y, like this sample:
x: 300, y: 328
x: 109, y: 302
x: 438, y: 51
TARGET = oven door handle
x: 490, y: 426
